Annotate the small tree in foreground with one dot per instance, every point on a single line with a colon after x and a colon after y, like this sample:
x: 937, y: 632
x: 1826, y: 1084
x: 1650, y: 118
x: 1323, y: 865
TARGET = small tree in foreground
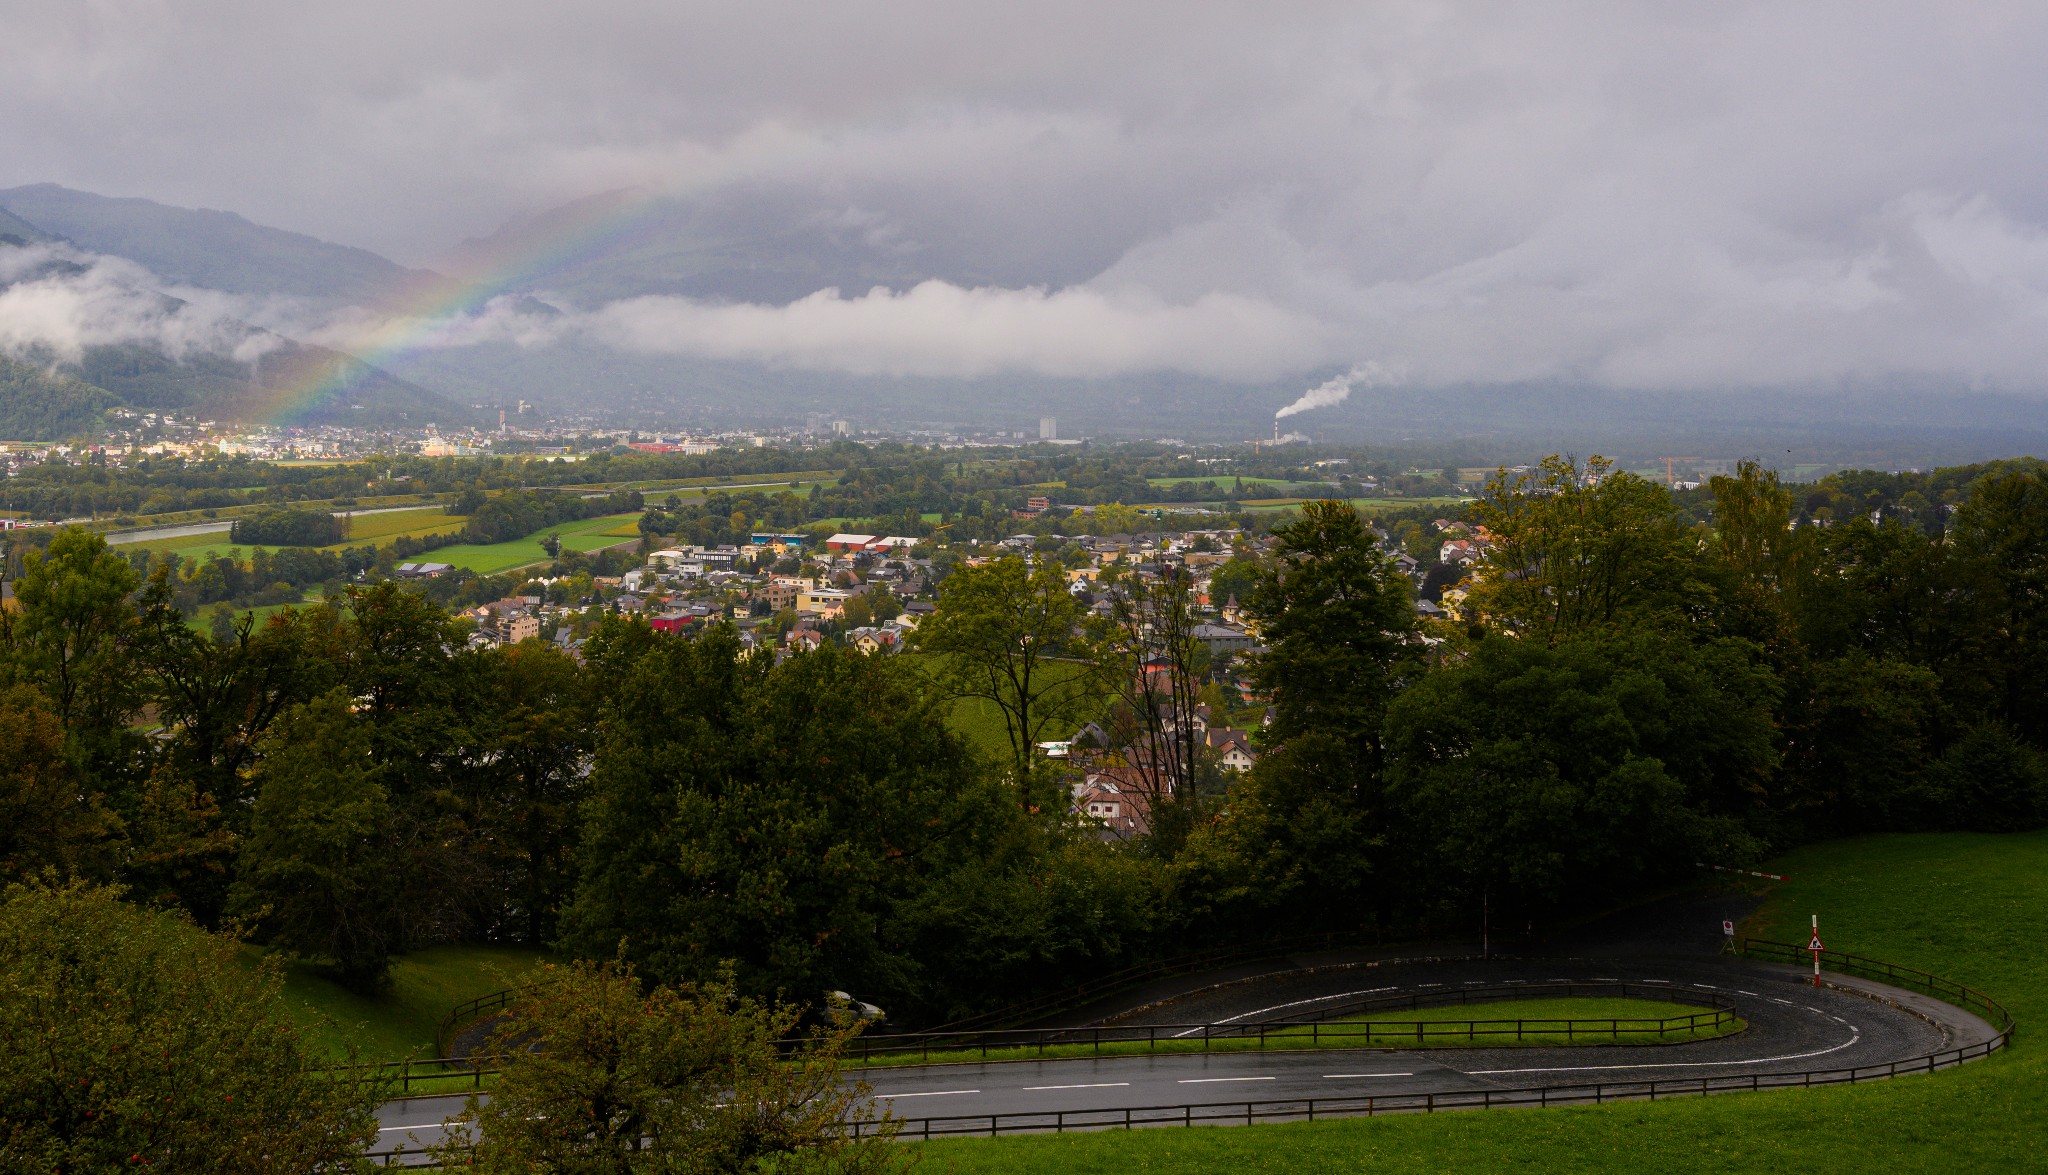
x: 131, y: 1040
x: 599, y: 1076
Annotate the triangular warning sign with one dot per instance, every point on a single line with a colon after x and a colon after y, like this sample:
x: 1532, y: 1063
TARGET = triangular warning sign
x: 1815, y: 944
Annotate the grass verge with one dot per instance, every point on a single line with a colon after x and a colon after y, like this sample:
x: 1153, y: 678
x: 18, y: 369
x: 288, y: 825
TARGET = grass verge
x: 399, y: 1024
x: 1973, y: 908
x: 1502, y: 1024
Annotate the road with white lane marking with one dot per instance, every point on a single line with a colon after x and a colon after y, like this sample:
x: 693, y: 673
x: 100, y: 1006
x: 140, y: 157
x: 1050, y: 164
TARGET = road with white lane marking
x: 1792, y: 1026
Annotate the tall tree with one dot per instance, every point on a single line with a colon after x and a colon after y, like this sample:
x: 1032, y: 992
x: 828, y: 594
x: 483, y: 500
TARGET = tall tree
x: 1150, y: 661
x: 75, y: 633
x: 1575, y: 547
x: 1007, y: 633
x: 48, y: 820
x: 131, y: 1041
x: 1337, y: 622
x: 318, y: 873
x: 1305, y: 831
x: 535, y: 743
x: 1580, y: 772
x: 2001, y: 532
x: 775, y: 816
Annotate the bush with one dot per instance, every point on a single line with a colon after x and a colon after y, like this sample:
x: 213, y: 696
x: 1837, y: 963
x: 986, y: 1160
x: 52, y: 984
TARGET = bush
x: 130, y: 1039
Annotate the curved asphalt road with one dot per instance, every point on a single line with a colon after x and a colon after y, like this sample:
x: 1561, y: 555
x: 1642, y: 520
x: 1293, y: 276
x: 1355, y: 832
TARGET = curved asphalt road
x: 1792, y: 1027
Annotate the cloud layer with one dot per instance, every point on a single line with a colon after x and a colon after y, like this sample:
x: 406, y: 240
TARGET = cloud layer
x: 1631, y: 195
x: 56, y: 301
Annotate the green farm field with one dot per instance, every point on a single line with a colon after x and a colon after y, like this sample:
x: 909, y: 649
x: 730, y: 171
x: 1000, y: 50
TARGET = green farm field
x: 1971, y: 907
x: 591, y: 534
x: 363, y: 530
x: 1220, y: 481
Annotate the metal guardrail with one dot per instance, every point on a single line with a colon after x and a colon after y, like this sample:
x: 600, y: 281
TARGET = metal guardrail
x: 1288, y: 1031
x: 1312, y: 1109
x: 1105, y: 985
x: 1589, y: 1093
x: 451, y: 1074
x: 1925, y: 982
x: 466, y: 1011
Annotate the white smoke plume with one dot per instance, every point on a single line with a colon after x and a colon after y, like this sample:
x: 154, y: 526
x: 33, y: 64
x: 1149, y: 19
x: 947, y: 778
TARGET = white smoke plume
x: 1336, y: 390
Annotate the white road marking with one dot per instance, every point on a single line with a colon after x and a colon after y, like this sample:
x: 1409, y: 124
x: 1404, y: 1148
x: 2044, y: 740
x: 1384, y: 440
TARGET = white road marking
x: 1097, y: 1085
x: 933, y: 1093
x: 1214, y: 1080
x: 1336, y: 1076
x: 1321, y: 999
x: 1857, y: 1035
x: 1739, y: 991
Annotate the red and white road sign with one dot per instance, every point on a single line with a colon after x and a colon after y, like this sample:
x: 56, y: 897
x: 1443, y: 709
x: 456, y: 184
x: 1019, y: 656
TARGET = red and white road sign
x: 1728, y: 928
x: 1815, y: 944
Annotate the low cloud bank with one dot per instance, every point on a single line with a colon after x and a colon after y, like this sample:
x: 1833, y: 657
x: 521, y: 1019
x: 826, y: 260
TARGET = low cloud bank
x: 56, y: 301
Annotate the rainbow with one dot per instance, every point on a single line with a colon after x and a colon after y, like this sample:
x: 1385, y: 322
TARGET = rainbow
x: 415, y: 317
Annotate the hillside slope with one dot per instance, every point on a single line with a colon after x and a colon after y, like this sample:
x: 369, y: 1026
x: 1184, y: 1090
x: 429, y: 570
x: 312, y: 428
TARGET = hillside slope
x: 216, y: 250
x: 16, y: 231
x: 40, y: 405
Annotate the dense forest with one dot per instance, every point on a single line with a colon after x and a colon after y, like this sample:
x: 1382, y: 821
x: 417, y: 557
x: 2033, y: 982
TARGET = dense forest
x: 1626, y: 690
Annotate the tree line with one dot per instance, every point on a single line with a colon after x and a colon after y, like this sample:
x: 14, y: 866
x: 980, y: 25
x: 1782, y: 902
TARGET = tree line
x: 1626, y: 694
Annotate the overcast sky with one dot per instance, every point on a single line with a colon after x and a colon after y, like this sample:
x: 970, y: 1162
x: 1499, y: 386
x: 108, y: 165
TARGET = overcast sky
x: 1644, y: 195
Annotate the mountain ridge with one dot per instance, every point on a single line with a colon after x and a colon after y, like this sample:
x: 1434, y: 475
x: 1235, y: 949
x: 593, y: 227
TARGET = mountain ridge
x: 211, y: 248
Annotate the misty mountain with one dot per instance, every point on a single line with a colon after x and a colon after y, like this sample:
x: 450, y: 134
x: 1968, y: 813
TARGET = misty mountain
x: 750, y: 244
x: 292, y: 384
x: 202, y: 247
x: 16, y: 231
x: 107, y: 338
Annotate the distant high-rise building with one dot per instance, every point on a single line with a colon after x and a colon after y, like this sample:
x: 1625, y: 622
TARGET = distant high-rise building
x: 841, y: 428
x: 814, y: 422
x: 1048, y: 428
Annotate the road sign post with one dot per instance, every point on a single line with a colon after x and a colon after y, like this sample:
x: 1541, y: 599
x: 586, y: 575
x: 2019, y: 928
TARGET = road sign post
x: 1816, y: 948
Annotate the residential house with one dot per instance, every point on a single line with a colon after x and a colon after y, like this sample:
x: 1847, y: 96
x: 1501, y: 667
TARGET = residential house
x: 828, y: 603
x: 1223, y: 639
x: 1235, y: 747
x: 1120, y: 812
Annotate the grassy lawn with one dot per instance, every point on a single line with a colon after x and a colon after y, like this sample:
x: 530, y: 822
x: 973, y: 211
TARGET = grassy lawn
x: 1221, y: 480
x: 492, y: 558
x: 399, y: 1025
x: 1488, y: 1025
x: 1972, y: 908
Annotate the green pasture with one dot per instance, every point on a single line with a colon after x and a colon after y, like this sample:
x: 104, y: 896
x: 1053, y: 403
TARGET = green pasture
x: 1220, y: 481
x: 1971, y: 907
x: 591, y: 534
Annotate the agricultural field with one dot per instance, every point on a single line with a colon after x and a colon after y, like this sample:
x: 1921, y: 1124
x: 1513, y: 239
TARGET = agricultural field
x: 364, y: 530
x: 1220, y: 482
x: 591, y: 534
x: 1971, y: 907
